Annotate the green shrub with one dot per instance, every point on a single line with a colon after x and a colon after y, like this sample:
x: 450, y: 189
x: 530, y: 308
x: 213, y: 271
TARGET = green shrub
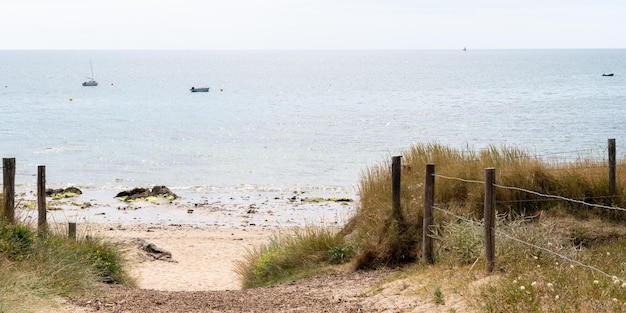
x: 16, y: 241
x: 106, y: 260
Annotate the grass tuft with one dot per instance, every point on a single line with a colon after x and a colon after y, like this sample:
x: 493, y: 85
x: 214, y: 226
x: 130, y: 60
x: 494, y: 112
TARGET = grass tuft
x: 291, y: 255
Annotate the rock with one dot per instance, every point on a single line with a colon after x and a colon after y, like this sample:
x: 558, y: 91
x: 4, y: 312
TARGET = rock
x: 63, y: 192
x: 52, y: 192
x: 133, y: 193
x: 139, y: 193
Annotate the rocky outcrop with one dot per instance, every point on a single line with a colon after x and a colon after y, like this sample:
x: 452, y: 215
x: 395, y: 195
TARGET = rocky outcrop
x: 140, y: 193
x: 63, y: 192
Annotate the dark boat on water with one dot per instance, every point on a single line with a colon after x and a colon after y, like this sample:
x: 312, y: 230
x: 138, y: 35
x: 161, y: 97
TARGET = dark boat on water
x: 607, y: 74
x: 199, y: 89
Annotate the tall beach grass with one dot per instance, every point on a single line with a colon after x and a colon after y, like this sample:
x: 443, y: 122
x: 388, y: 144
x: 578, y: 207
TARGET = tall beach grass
x: 36, y: 269
x: 527, y: 278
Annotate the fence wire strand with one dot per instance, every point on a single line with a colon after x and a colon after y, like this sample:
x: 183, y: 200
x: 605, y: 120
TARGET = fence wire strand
x: 458, y: 217
x: 459, y: 179
x: 499, y: 232
x: 561, y: 198
x: 561, y: 256
x: 535, y: 193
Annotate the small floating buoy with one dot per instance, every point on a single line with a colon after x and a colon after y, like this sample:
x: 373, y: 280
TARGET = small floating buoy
x: 71, y: 99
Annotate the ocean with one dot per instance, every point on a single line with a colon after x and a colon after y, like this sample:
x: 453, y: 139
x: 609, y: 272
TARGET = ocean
x: 293, y: 120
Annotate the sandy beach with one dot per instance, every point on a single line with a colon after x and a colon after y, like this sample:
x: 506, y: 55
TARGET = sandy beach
x: 204, y: 238
x: 205, y: 235
x: 202, y: 258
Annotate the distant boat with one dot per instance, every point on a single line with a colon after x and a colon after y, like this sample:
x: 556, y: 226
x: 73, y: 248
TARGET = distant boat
x: 91, y: 81
x: 607, y: 74
x: 199, y: 89
x: 464, y: 49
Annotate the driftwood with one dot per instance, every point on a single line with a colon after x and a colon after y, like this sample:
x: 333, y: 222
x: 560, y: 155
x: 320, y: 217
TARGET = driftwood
x: 151, y: 252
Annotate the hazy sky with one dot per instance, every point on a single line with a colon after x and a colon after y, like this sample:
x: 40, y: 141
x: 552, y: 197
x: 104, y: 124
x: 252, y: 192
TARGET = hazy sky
x: 311, y: 24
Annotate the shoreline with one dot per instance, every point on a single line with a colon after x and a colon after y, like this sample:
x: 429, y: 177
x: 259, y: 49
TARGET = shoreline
x: 205, y: 235
x: 252, y: 208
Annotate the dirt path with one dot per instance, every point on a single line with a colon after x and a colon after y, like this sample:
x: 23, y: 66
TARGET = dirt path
x: 334, y: 293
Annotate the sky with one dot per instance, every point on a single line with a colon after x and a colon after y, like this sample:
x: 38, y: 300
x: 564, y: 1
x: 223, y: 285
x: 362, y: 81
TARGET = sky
x: 312, y: 24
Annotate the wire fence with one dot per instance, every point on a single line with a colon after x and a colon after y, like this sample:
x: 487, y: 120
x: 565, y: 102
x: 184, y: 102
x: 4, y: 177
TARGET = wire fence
x: 615, y: 278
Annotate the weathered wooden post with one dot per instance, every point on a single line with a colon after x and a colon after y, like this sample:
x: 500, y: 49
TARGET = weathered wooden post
x: 8, y: 189
x: 42, y: 224
x: 396, y: 173
x: 490, y: 219
x: 427, y: 224
x: 71, y: 230
x: 612, y: 166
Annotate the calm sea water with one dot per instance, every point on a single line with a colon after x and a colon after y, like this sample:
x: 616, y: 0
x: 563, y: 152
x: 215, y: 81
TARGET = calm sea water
x: 293, y: 119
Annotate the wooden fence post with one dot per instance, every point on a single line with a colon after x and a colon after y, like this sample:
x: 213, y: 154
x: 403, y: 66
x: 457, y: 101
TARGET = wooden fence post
x: 71, y: 230
x: 490, y: 218
x: 396, y: 173
x: 8, y: 189
x: 42, y: 225
x: 612, y: 166
x: 427, y: 224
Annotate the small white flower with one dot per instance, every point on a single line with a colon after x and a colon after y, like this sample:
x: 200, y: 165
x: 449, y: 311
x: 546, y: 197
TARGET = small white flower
x: 608, y: 254
x: 538, y: 266
x: 614, y: 300
x: 535, y: 257
x: 623, y: 285
x: 514, y: 281
x: 556, y: 297
x: 616, y: 282
x: 534, y: 284
x: 595, y: 282
x: 557, y: 263
x: 522, y: 288
x: 571, y: 266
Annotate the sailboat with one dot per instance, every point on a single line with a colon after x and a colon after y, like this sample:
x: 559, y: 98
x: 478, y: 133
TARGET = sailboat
x: 91, y: 81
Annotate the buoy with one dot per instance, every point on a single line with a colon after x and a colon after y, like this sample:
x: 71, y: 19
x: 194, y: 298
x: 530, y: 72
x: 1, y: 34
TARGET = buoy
x: 71, y: 99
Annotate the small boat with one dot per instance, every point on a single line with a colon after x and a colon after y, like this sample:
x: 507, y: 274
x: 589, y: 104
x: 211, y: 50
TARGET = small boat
x: 91, y: 81
x: 607, y: 74
x: 199, y: 89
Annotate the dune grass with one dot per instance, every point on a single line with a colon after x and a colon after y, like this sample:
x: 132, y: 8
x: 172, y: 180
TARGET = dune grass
x: 584, y: 180
x: 293, y: 254
x: 36, y: 269
x: 527, y: 279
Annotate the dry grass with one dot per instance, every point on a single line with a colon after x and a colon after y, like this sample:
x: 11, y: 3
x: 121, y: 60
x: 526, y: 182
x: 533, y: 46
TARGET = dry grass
x: 383, y: 240
x: 529, y: 276
x: 34, y: 269
x: 528, y: 279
